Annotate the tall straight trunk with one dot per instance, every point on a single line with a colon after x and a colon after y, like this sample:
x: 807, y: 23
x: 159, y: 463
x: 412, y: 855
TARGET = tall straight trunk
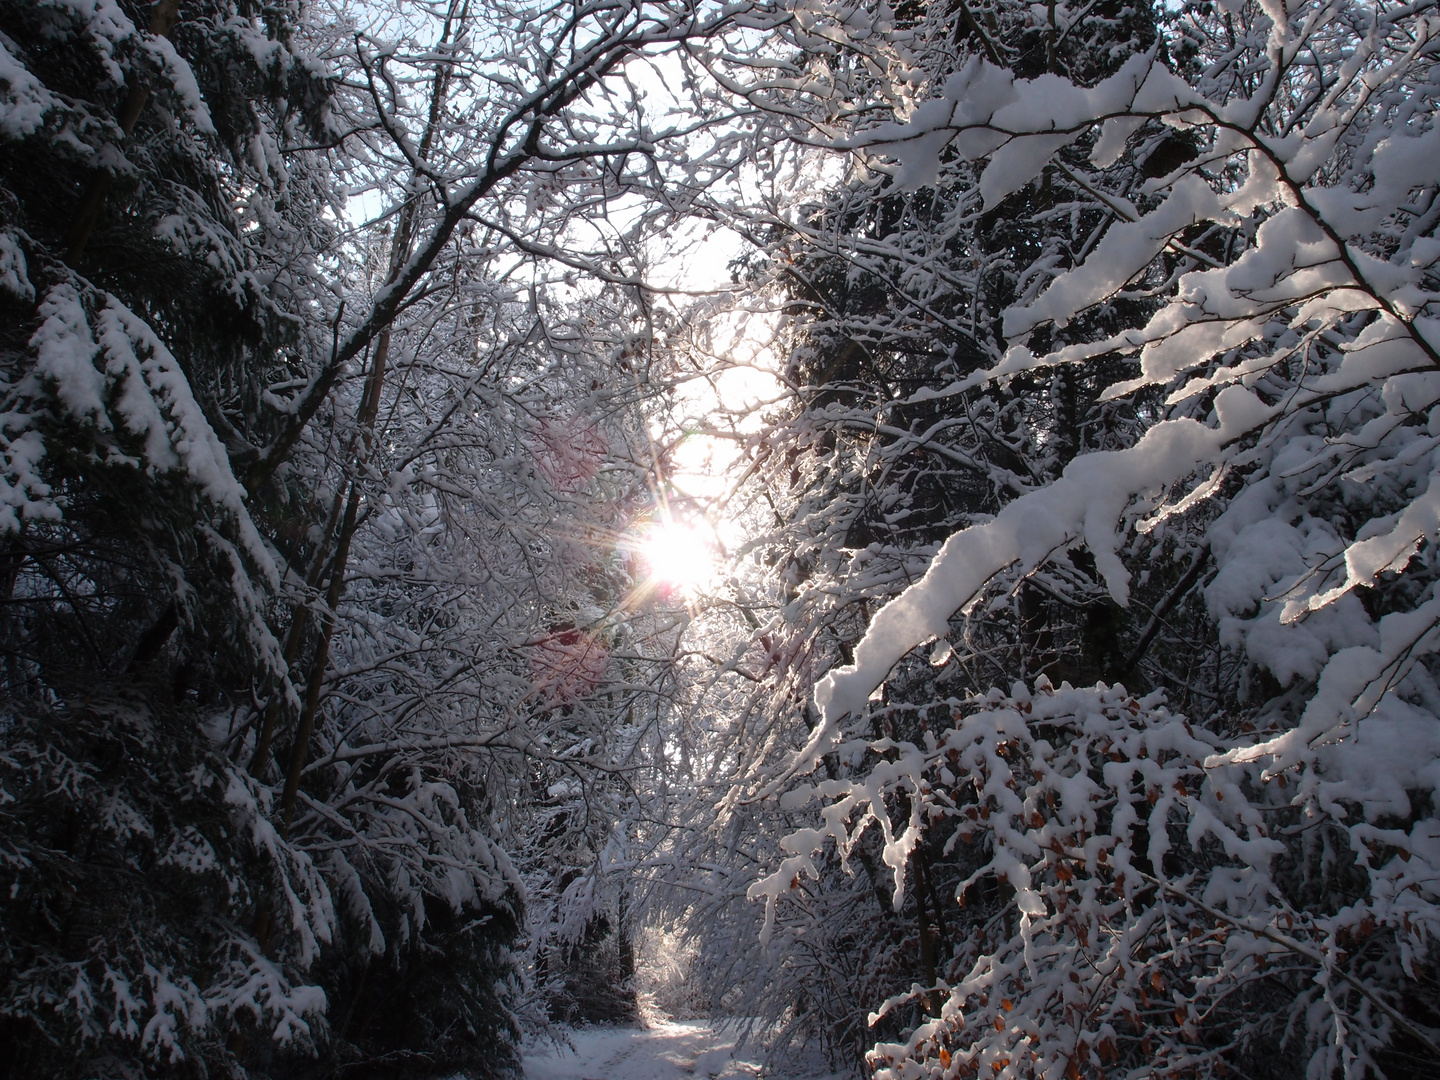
x: 928, y: 934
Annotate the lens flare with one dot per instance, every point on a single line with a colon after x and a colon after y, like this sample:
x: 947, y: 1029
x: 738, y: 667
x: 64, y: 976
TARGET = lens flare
x: 678, y: 555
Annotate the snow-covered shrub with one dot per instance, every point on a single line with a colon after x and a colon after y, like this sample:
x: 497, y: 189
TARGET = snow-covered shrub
x: 1141, y: 899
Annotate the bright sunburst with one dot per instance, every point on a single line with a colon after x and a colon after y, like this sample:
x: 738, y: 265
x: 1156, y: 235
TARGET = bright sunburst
x: 678, y: 555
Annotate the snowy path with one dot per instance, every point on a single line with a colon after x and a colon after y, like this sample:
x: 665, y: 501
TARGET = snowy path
x: 678, y: 1050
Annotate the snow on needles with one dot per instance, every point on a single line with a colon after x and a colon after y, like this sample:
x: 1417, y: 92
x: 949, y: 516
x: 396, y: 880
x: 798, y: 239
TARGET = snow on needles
x: 120, y: 375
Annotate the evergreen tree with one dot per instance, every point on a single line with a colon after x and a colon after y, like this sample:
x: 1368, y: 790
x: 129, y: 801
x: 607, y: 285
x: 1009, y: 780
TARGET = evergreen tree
x: 160, y: 265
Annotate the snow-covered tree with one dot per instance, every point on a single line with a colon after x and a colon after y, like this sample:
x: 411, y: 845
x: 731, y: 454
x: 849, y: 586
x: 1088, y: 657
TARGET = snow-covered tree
x: 1277, y: 488
x: 161, y: 254
x: 342, y: 722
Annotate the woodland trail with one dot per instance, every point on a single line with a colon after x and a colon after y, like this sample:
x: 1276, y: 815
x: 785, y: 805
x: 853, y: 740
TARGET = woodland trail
x: 665, y: 1050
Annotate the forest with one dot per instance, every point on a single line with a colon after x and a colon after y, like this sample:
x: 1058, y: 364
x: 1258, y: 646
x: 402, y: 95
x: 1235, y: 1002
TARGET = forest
x: 902, y: 526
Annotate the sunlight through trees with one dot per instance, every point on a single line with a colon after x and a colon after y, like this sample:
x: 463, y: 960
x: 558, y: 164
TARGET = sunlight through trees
x: 898, y: 535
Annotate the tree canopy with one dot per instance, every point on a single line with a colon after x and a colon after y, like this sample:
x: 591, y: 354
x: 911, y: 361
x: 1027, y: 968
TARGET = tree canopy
x: 904, y: 525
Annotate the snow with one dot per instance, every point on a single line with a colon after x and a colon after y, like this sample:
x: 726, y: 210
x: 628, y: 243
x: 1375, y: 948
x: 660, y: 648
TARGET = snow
x: 983, y: 108
x: 65, y: 353
x: 13, y: 277
x: 1126, y: 250
x: 24, y: 100
x: 182, y: 79
x: 1086, y: 504
x: 665, y: 1050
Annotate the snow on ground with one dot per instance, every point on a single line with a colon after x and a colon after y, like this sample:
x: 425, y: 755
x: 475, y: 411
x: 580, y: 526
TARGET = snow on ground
x: 665, y: 1050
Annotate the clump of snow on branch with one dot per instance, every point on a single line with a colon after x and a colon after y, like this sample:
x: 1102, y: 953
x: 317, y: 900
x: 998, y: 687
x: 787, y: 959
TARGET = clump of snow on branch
x: 1329, y: 275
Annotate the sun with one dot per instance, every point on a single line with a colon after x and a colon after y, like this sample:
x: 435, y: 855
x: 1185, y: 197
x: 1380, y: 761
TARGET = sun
x: 678, y: 555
